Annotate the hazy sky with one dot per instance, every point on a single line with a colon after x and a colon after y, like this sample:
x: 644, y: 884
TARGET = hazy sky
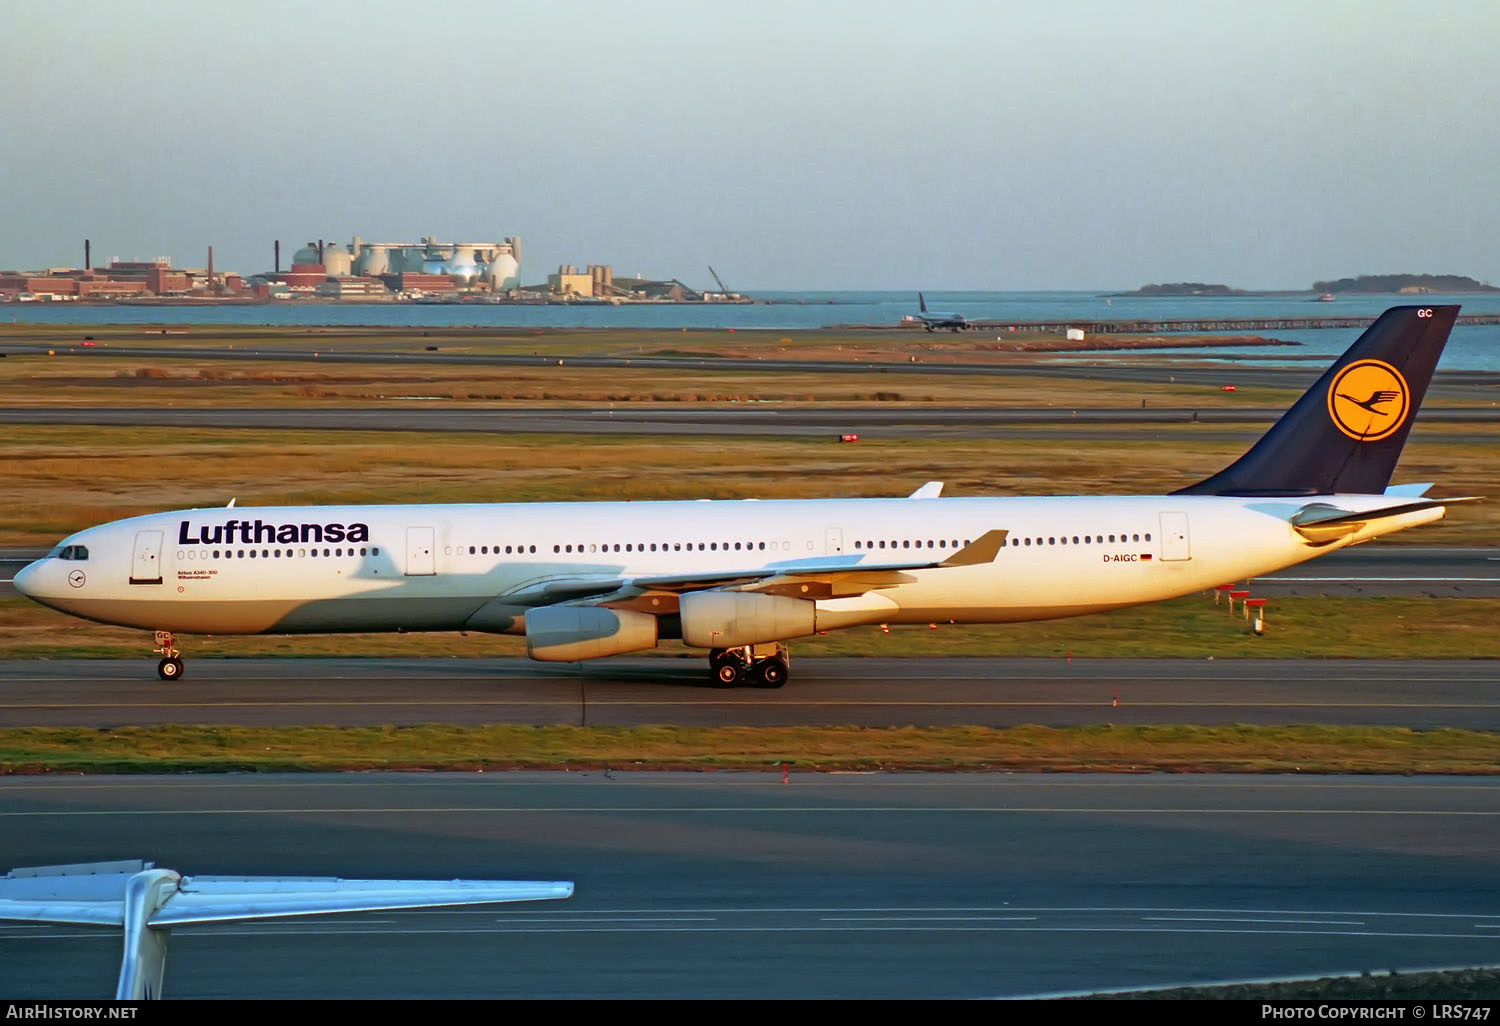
x: 1057, y: 144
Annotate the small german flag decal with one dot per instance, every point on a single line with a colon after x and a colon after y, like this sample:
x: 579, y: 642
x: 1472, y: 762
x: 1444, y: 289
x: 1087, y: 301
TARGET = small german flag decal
x: 1145, y: 557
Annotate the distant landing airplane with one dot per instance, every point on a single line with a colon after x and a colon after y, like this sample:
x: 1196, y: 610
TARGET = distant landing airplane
x: 146, y: 902
x: 738, y: 579
x: 933, y: 320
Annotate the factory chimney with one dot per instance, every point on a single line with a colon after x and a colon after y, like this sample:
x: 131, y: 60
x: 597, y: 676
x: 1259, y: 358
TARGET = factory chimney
x: 278, y: 257
x: 210, y: 267
x: 320, y: 251
x: 86, y: 265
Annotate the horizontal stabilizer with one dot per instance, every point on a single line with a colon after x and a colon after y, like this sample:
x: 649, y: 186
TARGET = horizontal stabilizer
x: 1321, y: 522
x: 1409, y: 491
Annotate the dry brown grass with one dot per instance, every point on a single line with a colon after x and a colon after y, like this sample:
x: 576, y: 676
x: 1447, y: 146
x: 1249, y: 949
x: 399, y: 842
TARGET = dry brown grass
x: 62, y: 478
x: 37, y: 380
x: 1103, y: 748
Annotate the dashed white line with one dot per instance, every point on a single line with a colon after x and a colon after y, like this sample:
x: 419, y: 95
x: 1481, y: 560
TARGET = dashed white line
x: 1217, y: 918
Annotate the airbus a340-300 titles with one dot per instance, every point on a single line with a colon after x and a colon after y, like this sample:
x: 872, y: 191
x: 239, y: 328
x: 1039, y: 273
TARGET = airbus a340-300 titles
x: 740, y: 578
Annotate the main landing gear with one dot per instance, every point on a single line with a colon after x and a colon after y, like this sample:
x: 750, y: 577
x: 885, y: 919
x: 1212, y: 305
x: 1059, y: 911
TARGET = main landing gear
x: 763, y: 666
x: 170, y: 668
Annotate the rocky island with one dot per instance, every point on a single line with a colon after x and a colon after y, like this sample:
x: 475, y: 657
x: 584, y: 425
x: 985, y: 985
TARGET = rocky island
x: 1403, y: 284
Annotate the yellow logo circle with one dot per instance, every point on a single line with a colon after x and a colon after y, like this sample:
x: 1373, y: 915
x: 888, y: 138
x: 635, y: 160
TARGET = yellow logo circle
x: 1368, y: 400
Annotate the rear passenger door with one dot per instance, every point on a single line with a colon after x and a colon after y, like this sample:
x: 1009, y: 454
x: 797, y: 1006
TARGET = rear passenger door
x: 1174, y: 537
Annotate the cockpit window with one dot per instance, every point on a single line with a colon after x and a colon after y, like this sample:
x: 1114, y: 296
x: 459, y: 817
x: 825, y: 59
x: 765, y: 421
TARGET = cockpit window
x: 75, y: 552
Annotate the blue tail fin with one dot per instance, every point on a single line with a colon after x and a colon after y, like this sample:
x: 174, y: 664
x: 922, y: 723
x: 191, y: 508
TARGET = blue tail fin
x: 1346, y: 433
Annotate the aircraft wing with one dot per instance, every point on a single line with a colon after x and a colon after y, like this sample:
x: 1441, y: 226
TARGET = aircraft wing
x: 64, y: 911
x: 94, y: 893
x: 212, y: 899
x: 87, y: 893
x: 854, y: 573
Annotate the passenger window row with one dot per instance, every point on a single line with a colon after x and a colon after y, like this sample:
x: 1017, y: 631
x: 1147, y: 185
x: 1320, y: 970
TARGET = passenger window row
x: 482, y: 550
x: 907, y: 543
x: 1088, y: 539
x: 277, y: 553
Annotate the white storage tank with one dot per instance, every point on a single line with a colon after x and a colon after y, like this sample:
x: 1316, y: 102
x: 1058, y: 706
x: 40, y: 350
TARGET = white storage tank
x: 337, y: 260
x: 504, y: 272
x: 373, y: 258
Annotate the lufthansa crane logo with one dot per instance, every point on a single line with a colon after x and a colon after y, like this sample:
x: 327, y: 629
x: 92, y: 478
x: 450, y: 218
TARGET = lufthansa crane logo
x: 1368, y: 400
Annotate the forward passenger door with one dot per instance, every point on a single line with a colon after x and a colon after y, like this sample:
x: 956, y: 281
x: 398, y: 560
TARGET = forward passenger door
x: 420, y: 559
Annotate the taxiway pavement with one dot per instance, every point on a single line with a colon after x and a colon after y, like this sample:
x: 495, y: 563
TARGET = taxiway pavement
x: 739, y: 886
x: 823, y: 691
x: 739, y: 419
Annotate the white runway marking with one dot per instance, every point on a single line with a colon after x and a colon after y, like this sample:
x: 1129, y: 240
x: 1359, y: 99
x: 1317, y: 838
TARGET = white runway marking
x: 1381, y: 580
x: 758, y: 810
x: 563, y: 928
x: 1220, y: 918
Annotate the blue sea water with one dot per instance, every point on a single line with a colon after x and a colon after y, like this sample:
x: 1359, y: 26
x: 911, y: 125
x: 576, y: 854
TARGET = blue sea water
x: 1471, y: 348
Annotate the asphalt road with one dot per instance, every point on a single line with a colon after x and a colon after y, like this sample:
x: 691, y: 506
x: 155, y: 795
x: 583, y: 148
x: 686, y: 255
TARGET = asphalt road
x: 739, y: 886
x: 770, y: 420
x: 1100, y: 365
x: 822, y: 691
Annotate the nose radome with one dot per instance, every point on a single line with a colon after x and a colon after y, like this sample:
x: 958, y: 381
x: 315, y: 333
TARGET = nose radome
x: 25, y: 579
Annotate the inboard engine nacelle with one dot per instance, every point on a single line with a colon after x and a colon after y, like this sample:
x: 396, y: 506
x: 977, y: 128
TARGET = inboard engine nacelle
x: 727, y: 619
x: 565, y: 634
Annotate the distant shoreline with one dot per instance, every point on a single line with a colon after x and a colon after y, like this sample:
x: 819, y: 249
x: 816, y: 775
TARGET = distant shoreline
x: 1360, y: 285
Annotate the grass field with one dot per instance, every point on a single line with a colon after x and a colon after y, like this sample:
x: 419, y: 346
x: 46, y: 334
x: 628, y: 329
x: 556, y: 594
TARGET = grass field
x: 32, y: 380
x: 59, y: 479
x: 1105, y: 748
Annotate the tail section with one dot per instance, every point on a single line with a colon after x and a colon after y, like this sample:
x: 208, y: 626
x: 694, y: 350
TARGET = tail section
x: 921, y: 303
x: 1347, y: 432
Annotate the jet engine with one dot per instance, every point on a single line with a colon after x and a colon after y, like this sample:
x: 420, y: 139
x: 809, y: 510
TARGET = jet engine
x: 565, y: 634
x: 728, y: 619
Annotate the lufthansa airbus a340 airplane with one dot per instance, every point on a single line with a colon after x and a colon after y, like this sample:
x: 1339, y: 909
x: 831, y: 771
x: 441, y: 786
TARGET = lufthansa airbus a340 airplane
x: 739, y: 578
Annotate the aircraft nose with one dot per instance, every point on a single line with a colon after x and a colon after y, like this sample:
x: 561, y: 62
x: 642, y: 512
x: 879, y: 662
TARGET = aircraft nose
x: 25, y: 579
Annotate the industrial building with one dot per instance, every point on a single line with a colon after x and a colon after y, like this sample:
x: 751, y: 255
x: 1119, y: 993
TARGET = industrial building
x: 598, y: 282
x: 376, y: 270
x: 121, y: 279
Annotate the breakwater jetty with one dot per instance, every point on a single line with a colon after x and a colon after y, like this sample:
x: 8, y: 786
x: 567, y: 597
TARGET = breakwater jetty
x: 1163, y: 327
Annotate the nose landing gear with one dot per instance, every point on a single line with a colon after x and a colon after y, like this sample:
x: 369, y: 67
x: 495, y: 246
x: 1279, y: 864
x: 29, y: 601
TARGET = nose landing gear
x: 170, y: 668
x: 762, y: 666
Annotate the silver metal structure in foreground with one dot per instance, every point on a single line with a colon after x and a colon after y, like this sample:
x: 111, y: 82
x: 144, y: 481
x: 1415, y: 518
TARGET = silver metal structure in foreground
x: 146, y: 902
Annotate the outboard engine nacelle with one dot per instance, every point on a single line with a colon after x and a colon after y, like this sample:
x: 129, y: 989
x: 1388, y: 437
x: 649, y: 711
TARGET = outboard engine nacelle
x: 729, y: 619
x: 565, y: 634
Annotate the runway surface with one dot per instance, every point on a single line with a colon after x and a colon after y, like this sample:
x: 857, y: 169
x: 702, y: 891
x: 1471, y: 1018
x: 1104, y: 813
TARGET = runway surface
x: 822, y: 691
x: 738, y: 419
x: 739, y: 886
x: 1106, y: 365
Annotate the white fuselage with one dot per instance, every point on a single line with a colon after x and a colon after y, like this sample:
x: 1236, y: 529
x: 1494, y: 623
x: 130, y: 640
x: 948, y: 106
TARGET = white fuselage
x: 480, y: 567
